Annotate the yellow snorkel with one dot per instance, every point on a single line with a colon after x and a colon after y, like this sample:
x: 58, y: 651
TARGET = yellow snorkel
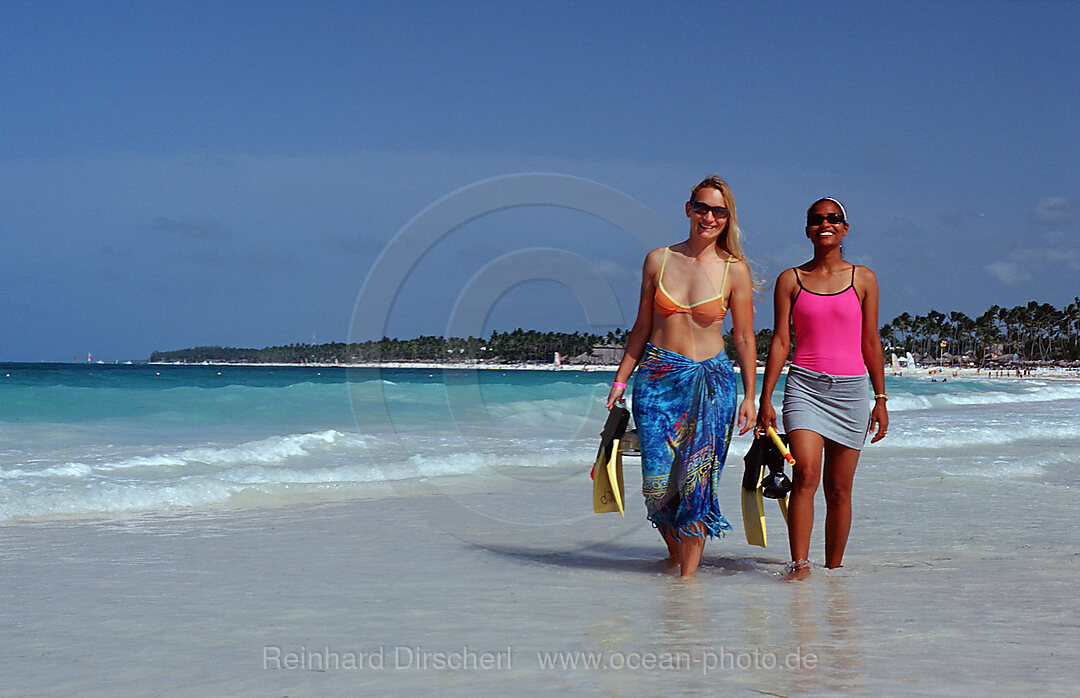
x: 781, y: 446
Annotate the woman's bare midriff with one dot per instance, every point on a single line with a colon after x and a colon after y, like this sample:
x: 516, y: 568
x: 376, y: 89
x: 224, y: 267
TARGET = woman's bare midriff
x: 683, y: 335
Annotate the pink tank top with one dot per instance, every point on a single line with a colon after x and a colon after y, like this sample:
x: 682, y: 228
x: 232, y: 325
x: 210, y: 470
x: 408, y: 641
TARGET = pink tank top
x: 828, y: 330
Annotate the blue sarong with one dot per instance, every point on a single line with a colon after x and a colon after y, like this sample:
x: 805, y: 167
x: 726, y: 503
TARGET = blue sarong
x: 684, y: 411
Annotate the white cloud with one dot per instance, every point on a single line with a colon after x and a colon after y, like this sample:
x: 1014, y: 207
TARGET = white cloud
x: 1056, y: 209
x: 1008, y: 272
x: 1047, y: 256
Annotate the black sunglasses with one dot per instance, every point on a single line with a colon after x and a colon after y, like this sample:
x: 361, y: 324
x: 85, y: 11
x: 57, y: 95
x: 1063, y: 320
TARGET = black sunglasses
x: 701, y: 209
x: 819, y: 218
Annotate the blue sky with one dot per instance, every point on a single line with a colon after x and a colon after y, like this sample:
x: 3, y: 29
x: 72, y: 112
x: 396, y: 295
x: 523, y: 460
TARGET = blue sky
x: 181, y: 174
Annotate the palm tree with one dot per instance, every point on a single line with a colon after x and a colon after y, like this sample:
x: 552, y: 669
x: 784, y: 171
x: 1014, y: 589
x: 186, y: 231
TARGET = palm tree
x: 902, y: 324
x: 888, y: 337
x: 963, y: 334
x: 1072, y: 329
x: 986, y: 329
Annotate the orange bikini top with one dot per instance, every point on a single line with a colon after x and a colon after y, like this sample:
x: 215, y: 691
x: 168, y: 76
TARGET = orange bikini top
x: 711, y: 310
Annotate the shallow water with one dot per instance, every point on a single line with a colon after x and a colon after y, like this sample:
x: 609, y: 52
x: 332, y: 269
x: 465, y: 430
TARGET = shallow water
x: 80, y: 441
x: 145, y: 540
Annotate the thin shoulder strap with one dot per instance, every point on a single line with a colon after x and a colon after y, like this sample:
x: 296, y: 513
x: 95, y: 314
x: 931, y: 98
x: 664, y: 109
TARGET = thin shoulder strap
x: 797, y: 279
x: 853, y: 285
x: 663, y: 265
x: 723, y: 284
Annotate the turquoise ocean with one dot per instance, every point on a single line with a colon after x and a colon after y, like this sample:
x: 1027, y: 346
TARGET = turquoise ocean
x: 93, y: 441
x: 171, y: 523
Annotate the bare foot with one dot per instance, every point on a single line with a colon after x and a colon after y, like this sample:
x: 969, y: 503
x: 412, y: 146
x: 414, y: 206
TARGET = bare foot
x: 796, y: 571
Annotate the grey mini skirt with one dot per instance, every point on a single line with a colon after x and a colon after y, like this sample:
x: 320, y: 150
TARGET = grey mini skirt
x: 837, y: 407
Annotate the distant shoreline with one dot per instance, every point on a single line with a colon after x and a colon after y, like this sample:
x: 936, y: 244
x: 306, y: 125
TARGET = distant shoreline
x: 422, y: 365
x: 932, y: 372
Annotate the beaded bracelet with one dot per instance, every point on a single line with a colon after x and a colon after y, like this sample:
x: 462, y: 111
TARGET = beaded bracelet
x: 881, y: 396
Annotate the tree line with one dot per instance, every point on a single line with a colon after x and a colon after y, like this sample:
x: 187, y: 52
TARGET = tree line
x: 1035, y: 332
x: 518, y: 346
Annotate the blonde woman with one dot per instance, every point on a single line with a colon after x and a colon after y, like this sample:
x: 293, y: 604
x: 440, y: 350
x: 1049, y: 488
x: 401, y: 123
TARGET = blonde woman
x: 684, y: 393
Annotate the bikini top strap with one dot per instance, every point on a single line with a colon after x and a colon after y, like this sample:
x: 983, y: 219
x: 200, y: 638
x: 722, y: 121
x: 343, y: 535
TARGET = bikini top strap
x: 723, y: 284
x: 663, y: 265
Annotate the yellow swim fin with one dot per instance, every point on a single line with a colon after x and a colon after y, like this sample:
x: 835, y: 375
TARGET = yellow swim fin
x: 764, y: 460
x: 753, y: 510
x: 615, y: 479
x: 608, y: 489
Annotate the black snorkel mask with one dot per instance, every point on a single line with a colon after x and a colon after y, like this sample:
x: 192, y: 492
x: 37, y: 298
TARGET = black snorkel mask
x: 775, y: 484
x: 763, y: 453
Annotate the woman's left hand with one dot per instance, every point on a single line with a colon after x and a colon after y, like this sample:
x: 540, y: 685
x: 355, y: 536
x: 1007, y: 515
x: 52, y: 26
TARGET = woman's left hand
x: 747, y: 415
x: 879, y: 417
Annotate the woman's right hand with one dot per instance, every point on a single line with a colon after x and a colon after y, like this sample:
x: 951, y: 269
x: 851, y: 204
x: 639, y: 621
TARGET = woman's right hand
x: 615, y: 395
x: 766, y: 416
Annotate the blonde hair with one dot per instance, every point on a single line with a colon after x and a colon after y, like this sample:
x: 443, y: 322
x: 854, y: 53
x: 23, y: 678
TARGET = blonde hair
x: 732, y: 235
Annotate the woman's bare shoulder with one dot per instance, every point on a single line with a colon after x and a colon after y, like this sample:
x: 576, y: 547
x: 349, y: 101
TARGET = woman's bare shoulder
x: 786, y: 277
x: 739, y: 271
x: 655, y: 256
x: 864, y: 274
x: 653, y: 261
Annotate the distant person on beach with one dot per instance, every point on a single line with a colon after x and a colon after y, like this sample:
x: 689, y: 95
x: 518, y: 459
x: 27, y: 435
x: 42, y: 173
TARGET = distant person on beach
x: 832, y: 306
x: 684, y: 394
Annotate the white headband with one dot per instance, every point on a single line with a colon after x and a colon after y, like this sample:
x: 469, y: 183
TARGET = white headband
x: 829, y: 198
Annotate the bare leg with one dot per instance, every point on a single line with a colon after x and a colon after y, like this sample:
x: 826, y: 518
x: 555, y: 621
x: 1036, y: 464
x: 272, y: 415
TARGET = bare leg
x: 839, y: 473
x: 672, y: 561
x: 690, y: 549
x: 806, y: 447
